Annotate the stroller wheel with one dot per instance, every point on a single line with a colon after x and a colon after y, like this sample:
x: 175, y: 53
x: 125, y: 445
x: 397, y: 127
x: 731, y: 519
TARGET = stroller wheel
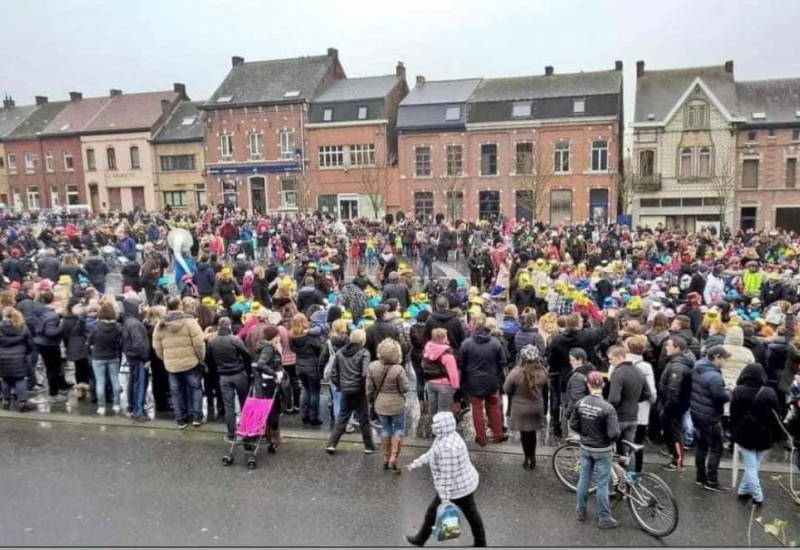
x: 249, y: 447
x: 227, y: 460
x: 271, y: 449
x: 251, y: 464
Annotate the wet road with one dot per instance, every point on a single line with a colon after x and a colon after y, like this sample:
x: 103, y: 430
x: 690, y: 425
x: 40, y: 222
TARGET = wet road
x: 100, y: 485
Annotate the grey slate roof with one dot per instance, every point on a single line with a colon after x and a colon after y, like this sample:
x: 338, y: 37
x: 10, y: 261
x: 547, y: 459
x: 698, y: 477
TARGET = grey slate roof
x: 546, y: 108
x: 12, y: 117
x: 779, y: 99
x: 556, y: 85
x: 32, y: 126
x: 259, y: 82
x: 347, y: 111
x: 353, y: 89
x: 174, y: 129
x: 657, y: 92
x: 441, y: 91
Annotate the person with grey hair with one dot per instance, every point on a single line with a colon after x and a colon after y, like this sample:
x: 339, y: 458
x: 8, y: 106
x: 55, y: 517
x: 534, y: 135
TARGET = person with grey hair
x: 395, y: 289
x: 232, y: 360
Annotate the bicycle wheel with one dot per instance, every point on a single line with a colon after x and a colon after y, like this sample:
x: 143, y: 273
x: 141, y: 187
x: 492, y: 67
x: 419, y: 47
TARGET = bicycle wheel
x: 652, y: 504
x: 567, y: 466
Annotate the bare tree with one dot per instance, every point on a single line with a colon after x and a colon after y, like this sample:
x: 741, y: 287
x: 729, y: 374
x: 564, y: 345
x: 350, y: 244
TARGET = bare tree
x: 722, y: 184
x: 303, y: 186
x: 534, y: 173
x: 375, y: 183
x: 449, y: 185
x: 626, y: 186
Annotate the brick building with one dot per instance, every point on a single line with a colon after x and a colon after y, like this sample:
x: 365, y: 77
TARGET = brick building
x: 353, y: 145
x: 180, y: 159
x: 11, y: 116
x: 536, y: 147
x: 768, y: 145
x: 255, y: 132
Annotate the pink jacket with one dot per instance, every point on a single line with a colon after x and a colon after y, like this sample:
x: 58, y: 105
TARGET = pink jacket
x: 433, y: 351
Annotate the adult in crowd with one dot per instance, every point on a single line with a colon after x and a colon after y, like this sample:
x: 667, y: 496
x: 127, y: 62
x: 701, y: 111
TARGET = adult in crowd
x: 525, y: 387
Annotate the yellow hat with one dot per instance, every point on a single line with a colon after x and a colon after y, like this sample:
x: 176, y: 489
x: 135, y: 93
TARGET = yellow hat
x: 421, y: 297
x: 544, y: 289
x: 524, y: 279
x: 369, y: 313
x: 208, y: 301
x: 240, y: 299
x: 226, y: 270
x: 475, y: 310
x: 476, y: 300
x: 347, y: 315
x: 403, y: 266
x: 540, y: 262
x: 255, y: 306
x: 65, y: 280
x: 406, y: 315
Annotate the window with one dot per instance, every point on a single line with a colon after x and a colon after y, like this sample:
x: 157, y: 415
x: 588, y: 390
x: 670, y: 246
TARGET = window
x: 177, y: 163
x: 697, y: 115
x: 524, y: 159
x: 175, y: 199
x: 697, y: 201
x: 55, y: 201
x: 73, y: 197
x: 199, y: 194
x: 256, y: 146
x: 560, y: 206
x: 17, y: 199
x: 711, y: 201
x: 33, y: 198
x: 649, y: 203
x: 452, y: 113
x: 288, y: 192
x: 599, y: 156
x: 229, y: 195
x: 48, y: 161
x: 362, y: 113
x: 2, y: 162
x: 455, y: 160
x: 750, y: 174
x: 796, y: 134
x: 561, y: 157
x: 455, y: 204
x: 704, y: 163
x: 488, y: 205
x: 30, y: 162
x: 423, y: 205
x: 748, y: 217
x: 287, y: 144
x: 791, y: 173
x: 752, y: 135
x: 91, y: 164
x: 12, y: 163
x: 135, y: 158
x: 226, y: 146
x: 327, y: 115
x: 422, y: 162
x: 579, y: 106
x: 489, y: 159
x: 69, y: 162
x: 111, y: 158
x: 362, y: 155
x: 647, y: 162
x: 331, y: 156
x: 670, y: 203
x: 771, y: 132
x: 521, y: 109
x: 686, y: 163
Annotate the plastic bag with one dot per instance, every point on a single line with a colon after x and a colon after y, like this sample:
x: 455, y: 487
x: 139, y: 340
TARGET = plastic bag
x: 448, y: 522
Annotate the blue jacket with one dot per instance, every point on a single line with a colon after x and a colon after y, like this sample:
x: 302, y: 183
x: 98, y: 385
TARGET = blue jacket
x: 708, y: 393
x: 127, y: 248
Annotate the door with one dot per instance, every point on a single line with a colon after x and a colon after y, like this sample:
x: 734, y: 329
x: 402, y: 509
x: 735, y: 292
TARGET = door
x: 114, y: 199
x: 598, y: 205
x: 94, y: 198
x: 258, y: 195
x: 348, y: 207
x: 524, y: 205
x: 137, y: 195
x: 54, y: 202
x: 488, y: 204
x: 748, y: 217
x: 788, y: 219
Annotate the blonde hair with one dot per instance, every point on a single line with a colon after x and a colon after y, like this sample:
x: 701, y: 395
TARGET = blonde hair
x: 358, y: 336
x: 189, y: 306
x: 717, y: 326
x: 154, y: 314
x: 16, y: 318
x: 636, y: 344
x: 339, y: 326
x: 299, y: 325
x: 511, y: 310
x: 439, y: 335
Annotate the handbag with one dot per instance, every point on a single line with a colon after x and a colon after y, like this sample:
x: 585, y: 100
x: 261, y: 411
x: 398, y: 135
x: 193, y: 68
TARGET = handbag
x: 326, y: 374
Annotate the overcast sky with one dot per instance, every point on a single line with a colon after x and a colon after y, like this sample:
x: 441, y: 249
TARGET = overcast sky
x: 51, y: 47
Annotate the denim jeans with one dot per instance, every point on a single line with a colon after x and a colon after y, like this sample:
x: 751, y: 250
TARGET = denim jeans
x: 688, y: 430
x: 393, y: 425
x: 233, y: 387
x: 440, y: 397
x: 19, y: 385
x: 426, y: 267
x: 186, y: 389
x: 309, y: 401
x: 336, y: 401
x: 709, y: 446
x: 101, y: 368
x: 137, y: 388
x: 600, y: 463
x: 750, y: 485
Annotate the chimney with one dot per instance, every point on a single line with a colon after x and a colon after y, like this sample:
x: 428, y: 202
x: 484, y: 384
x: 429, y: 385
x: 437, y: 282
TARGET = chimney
x: 114, y: 92
x: 548, y: 70
x: 41, y: 99
x: 420, y: 80
x: 333, y: 53
x: 236, y: 61
x: 729, y: 66
x: 640, y: 68
x: 8, y: 102
x: 617, y: 65
x: 75, y: 96
x: 400, y: 71
x: 166, y: 106
x: 180, y: 89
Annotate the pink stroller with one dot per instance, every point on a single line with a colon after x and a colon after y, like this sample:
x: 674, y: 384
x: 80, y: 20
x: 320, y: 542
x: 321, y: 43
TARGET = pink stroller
x: 252, y: 429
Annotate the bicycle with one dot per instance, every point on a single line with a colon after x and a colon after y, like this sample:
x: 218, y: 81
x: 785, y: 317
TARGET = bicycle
x: 650, y: 499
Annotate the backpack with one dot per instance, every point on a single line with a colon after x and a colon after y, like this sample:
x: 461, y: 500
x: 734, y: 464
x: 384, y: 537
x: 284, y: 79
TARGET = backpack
x: 435, y: 369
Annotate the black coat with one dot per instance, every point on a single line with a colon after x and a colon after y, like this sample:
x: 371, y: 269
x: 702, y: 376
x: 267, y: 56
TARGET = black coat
x: 47, y: 326
x: 675, y: 384
x: 48, y: 268
x: 97, y: 269
x: 74, y: 335
x: 229, y: 353
x: 586, y: 339
x: 482, y: 361
x: 135, y: 343
x: 377, y: 333
x: 15, y: 346
x: 627, y: 388
x: 204, y: 279
x: 708, y: 393
x: 450, y: 321
x: 105, y: 341
x: 308, y: 296
x: 753, y: 407
x: 265, y: 369
x: 308, y: 350
x: 349, y: 371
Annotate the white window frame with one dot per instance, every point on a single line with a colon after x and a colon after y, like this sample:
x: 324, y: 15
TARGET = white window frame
x: 288, y: 196
x: 522, y: 109
x: 496, y: 159
x: 331, y: 156
x: 12, y: 163
x: 91, y: 160
x: 72, y: 191
x: 183, y: 197
x: 417, y: 163
x: 30, y: 163
x: 256, y: 141
x: 113, y: 156
x: 361, y: 155
x: 327, y: 115
x: 138, y: 164
x: 48, y: 162
x: 602, y: 156
x: 457, y: 160
x: 703, y: 152
x: 17, y: 199
x: 685, y: 153
x: 287, y: 144
x: 532, y: 167
x: 561, y: 156
x: 69, y: 161
x: 579, y: 105
x: 32, y: 192
x: 55, y: 199
x: 226, y: 147
x: 362, y: 112
x: 231, y: 191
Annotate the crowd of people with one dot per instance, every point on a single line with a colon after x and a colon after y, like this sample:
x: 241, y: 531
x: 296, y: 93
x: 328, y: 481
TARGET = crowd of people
x: 601, y: 332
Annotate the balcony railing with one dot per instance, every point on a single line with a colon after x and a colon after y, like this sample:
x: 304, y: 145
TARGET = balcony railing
x: 650, y: 182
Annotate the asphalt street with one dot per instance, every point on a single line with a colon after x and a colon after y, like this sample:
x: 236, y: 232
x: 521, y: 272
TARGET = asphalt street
x: 70, y: 484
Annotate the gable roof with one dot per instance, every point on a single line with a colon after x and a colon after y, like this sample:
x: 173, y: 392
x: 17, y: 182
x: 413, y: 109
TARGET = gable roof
x: 441, y: 91
x: 11, y: 117
x: 258, y: 82
x: 354, y: 89
x: 541, y: 86
x: 37, y: 121
x: 659, y: 92
x: 184, y: 124
x: 131, y: 112
x: 76, y: 116
x: 778, y: 99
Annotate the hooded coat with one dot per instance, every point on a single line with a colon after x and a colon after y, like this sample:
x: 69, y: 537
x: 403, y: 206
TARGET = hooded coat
x: 740, y: 356
x: 15, y: 346
x: 178, y: 340
x: 350, y: 368
x: 450, y: 321
x: 482, y: 361
x: 753, y: 408
x: 135, y: 343
x: 308, y: 350
x: 441, y: 353
x: 387, y: 382
x: 204, y: 279
x: 675, y: 384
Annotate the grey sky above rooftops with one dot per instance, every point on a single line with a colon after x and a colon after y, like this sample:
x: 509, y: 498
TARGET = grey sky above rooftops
x: 91, y: 46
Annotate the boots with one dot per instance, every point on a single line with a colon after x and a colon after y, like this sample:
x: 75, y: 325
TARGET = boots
x: 386, y: 451
x: 397, y: 445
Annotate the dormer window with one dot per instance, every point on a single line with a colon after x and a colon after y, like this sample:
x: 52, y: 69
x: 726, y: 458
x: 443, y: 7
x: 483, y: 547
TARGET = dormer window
x: 327, y: 115
x: 521, y: 110
x: 579, y: 106
x: 452, y: 113
x: 362, y: 113
x: 697, y: 115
